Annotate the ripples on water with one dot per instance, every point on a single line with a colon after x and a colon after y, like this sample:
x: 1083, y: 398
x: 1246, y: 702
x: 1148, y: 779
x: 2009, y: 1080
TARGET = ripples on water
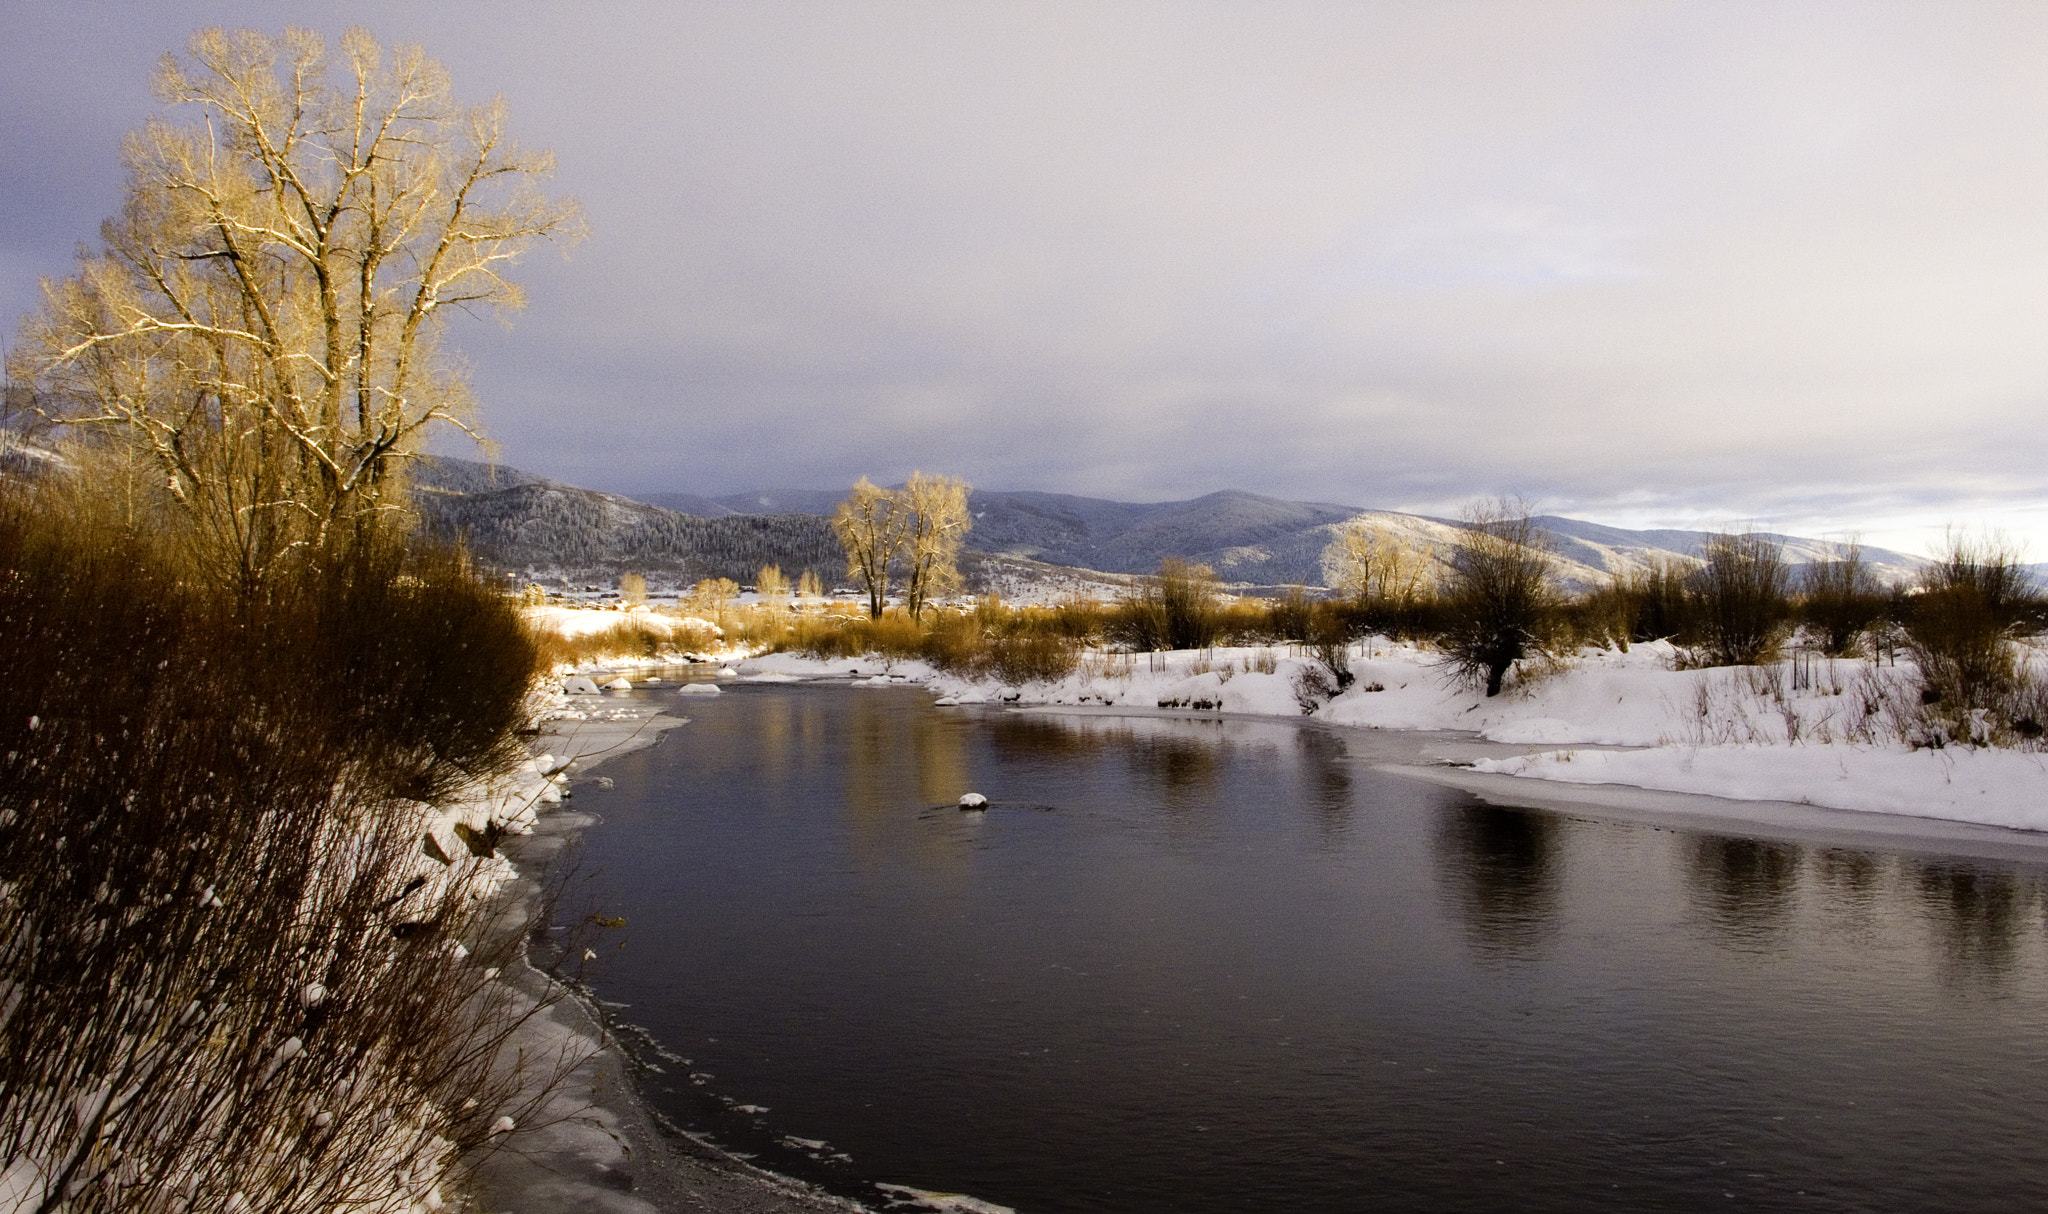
x: 1226, y: 966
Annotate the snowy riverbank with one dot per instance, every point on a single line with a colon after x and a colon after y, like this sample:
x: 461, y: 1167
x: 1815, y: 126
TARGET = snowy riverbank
x: 1826, y: 733
x: 593, y: 1146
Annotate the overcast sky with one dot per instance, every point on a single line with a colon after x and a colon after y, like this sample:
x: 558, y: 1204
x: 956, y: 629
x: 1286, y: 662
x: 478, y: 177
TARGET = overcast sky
x: 1650, y: 264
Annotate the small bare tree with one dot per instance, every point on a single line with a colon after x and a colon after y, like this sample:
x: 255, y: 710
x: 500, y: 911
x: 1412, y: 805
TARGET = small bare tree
x: 1500, y: 599
x: 260, y: 327
x: 710, y: 597
x: 870, y: 525
x: 936, y: 519
x: 772, y: 587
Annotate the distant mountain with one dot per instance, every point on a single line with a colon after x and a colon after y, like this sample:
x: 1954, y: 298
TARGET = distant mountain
x: 1609, y: 549
x: 1253, y: 539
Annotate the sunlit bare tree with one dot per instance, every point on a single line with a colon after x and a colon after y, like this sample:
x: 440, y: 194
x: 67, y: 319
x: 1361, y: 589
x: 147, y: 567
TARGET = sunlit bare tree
x: 260, y: 326
x: 936, y: 521
x: 870, y: 525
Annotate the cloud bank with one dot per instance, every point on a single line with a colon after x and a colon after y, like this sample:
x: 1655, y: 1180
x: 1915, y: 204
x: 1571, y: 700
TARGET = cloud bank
x: 1653, y: 265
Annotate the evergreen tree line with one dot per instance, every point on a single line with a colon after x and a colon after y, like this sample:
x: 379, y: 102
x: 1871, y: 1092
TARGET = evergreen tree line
x: 579, y: 534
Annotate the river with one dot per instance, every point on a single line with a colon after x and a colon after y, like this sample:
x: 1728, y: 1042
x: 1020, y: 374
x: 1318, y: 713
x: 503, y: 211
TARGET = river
x: 1207, y: 965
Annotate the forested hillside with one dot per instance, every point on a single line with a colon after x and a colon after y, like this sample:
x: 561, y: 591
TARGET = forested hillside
x: 548, y: 530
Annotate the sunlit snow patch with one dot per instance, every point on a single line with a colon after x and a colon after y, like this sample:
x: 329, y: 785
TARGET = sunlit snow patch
x: 949, y: 1203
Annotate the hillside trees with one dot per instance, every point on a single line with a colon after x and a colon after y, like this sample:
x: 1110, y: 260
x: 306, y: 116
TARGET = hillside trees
x: 917, y: 528
x: 1389, y: 576
x: 260, y: 328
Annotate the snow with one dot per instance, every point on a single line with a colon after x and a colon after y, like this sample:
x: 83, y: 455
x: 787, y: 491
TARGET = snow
x: 1989, y: 787
x: 573, y: 622
x: 946, y: 1203
x: 797, y: 666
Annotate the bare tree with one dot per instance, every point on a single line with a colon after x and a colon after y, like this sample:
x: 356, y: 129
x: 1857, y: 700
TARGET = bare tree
x: 1499, y: 599
x: 773, y: 587
x: 870, y: 525
x: 261, y: 324
x: 936, y: 519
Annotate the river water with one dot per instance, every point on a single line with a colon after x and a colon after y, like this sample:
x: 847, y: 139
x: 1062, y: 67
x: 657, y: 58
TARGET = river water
x: 1202, y: 965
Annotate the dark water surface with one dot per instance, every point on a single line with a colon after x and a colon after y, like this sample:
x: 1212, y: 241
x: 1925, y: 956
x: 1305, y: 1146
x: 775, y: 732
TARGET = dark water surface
x: 1225, y: 966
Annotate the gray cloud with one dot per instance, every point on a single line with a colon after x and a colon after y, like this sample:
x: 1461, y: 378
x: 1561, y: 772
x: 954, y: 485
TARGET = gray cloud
x: 1649, y: 264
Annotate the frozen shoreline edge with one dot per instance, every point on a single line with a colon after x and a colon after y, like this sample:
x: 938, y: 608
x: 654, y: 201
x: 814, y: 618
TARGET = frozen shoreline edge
x: 607, y: 1150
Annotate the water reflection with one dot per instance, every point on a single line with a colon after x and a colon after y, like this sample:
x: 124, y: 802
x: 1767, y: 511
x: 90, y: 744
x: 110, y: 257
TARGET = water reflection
x: 1978, y: 915
x: 1014, y: 736
x: 1327, y: 783
x: 1746, y: 888
x: 1183, y: 761
x: 900, y: 758
x: 1851, y: 876
x: 1500, y: 872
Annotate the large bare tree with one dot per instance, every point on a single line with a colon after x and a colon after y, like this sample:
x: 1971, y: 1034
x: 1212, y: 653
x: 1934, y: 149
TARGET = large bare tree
x: 869, y: 524
x: 259, y: 330
x: 937, y: 520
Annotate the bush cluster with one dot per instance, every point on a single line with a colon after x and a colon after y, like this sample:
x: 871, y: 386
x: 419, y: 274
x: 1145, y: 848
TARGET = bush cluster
x: 229, y: 978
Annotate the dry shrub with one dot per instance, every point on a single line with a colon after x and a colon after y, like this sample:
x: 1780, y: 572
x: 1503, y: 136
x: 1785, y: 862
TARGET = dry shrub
x: 1178, y: 608
x: 225, y: 965
x: 629, y: 638
x: 1656, y: 600
x: 1960, y: 630
x: 1030, y: 657
x: 1840, y: 600
x: 1740, y: 600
